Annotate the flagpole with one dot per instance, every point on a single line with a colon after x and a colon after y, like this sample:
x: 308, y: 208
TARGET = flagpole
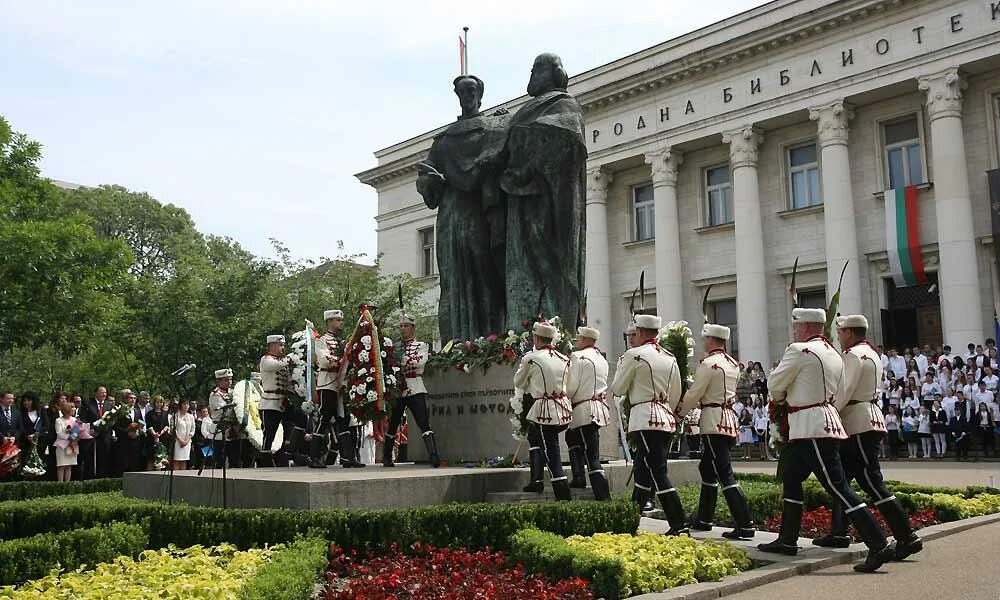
x: 465, y: 52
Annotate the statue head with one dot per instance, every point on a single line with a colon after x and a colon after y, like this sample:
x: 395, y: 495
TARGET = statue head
x: 547, y: 74
x: 469, y: 90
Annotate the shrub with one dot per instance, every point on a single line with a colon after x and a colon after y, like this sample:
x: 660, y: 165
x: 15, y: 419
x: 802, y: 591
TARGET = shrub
x: 33, y: 557
x: 23, y: 490
x: 195, y: 573
x: 551, y: 554
x: 951, y: 507
x: 291, y: 574
x: 24, y: 518
x: 818, y: 522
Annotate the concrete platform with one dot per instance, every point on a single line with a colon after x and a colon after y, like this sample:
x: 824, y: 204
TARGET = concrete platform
x: 373, y: 487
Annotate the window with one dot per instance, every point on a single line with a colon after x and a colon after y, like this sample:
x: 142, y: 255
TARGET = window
x: 718, y: 196
x: 813, y: 298
x: 723, y: 312
x: 642, y: 211
x: 803, y: 176
x: 426, y: 251
x: 904, y: 164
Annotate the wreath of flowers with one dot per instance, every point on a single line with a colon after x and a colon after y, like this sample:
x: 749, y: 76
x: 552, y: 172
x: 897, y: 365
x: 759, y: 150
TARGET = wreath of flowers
x: 494, y: 349
x: 372, y: 373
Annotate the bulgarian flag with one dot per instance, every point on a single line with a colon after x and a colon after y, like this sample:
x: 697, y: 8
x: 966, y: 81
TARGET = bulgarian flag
x: 902, y: 237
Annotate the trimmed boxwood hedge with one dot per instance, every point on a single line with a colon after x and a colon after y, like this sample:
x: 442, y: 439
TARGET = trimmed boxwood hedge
x: 23, y: 490
x: 471, y: 525
x: 551, y: 554
x: 291, y: 574
x: 33, y: 557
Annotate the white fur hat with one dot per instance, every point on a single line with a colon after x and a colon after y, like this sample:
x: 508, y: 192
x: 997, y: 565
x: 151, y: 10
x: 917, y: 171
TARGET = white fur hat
x: 543, y: 329
x: 220, y: 373
x: 809, y: 315
x: 851, y: 321
x: 275, y: 339
x: 716, y: 331
x: 588, y: 332
x: 648, y: 322
x: 333, y: 314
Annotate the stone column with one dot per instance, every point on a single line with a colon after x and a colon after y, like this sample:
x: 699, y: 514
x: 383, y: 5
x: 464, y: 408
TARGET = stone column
x: 598, y: 267
x: 838, y: 206
x: 751, y: 285
x: 958, y: 278
x: 669, y: 285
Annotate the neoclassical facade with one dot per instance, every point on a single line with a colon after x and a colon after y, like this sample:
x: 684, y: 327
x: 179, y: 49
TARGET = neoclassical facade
x: 719, y: 157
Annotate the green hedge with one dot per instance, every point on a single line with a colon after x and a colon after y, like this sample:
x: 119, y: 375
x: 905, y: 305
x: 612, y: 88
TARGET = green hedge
x: 471, y: 525
x: 548, y: 553
x: 292, y: 574
x: 23, y: 490
x: 33, y: 557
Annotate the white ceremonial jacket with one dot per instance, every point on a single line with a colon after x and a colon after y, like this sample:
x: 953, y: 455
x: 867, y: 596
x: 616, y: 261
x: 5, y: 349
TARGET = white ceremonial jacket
x: 714, y: 391
x: 274, y: 382
x: 216, y: 400
x: 544, y: 375
x: 412, y: 364
x: 588, y: 376
x: 862, y: 374
x: 649, y: 376
x: 328, y: 352
x: 810, y: 380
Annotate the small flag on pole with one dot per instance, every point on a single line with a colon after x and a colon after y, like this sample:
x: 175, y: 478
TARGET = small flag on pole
x: 463, y: 51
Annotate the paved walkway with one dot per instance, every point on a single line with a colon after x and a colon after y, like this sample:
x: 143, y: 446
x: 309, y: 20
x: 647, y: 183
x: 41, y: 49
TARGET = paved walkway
x: 962, y: 565
x: 931, y: 472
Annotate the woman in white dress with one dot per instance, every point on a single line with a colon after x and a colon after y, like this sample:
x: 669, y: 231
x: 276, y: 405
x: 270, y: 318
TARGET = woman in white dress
x: 66, y: 446
x: 183, y: 427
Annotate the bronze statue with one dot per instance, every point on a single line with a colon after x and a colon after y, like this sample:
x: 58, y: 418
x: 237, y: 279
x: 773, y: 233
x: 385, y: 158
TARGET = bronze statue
x: 459, y: 179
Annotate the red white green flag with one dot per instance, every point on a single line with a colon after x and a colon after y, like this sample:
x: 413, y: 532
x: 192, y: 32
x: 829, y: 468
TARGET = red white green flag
x: 902, y: 237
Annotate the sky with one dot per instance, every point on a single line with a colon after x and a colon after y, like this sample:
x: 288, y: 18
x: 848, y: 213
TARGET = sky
x: 254, y: 115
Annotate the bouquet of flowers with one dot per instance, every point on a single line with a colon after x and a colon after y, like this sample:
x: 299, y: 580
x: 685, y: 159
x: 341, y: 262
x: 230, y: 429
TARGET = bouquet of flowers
x: 519, y: 420
x: 678, y: 339
x: 372, y: 374
x: 777, y: 428
x: 161, y: 460
x: 136, y: 430
x: 109, y: 419
x: 9, y: 458
x: 299, y: 361
x: 35, y: 466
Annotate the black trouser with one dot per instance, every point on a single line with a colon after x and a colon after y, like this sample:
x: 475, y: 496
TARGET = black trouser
x: 651, y: 461
x: 106, y: 463
x: 986, y: 437
x: 417, y: 403
x: 859, y: 456
x: 962, y: 446
x: 821, y: 457
x: 587, y: 439
x: 88, y: 459
x: 545, y: 438
x: 271, y: 421
x: 716, y: 469
x: 329, y: 400
x: 227, y: 451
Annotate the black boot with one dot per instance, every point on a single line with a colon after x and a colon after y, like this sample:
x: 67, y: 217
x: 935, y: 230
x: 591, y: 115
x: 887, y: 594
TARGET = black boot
x: 879, y: 550
x: 674, y: 510
x: 599, y: 482
x: 641, y: 498
x: 561, y: 490
x: 578, y: 464
x: 741, y: 514
x: 536, y: 462
x: 907, y: 542
x: 318, y: 447
x: 703, y: 521
x: 838, y: 536
x: 432, y: 449
x: 791, y: 523
x: 387, y: 447
x: 349, y: 453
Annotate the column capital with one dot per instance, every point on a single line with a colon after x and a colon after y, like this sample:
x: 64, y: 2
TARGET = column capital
x: 664, y: 165
x: 944, y: 93
x: 598, y: 181
x: 743, y: 144
x: 832, y: 123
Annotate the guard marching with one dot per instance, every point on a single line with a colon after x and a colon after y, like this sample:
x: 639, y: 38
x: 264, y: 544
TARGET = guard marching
x: 226, y: 443
x: 329, y: 361
x: 649, y: 376
x: 275, y: 384
x: 589, y: 380
x: 713, y: 392
x: 810, y: 380
x: 411, y: 355
x: 865, y: 427
x: 543, y: 375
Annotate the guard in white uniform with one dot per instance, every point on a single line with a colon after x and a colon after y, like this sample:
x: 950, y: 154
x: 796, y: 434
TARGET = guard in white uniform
x: 810, y: 380
x: 226, y: 434
x: 714, y: 391
x: 329, y: 355
x: 274, y: 375
x: 649, y: 376
x: 588, y: 394
x: 411, y: 355
x: 865, y: 426
x: 543, y: 376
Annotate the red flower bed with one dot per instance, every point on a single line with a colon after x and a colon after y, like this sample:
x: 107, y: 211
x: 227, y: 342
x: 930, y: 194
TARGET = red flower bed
x: 816, y: 523
x: 429, y: 573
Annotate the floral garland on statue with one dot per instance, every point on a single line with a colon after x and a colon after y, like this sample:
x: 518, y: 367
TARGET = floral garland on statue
x: 484, y: 352
x: 372, y: 374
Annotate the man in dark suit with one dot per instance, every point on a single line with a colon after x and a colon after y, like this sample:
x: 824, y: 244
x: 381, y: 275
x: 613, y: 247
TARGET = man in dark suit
x: 97, y: 455
x: 10, y: 419
x: 128, y: 444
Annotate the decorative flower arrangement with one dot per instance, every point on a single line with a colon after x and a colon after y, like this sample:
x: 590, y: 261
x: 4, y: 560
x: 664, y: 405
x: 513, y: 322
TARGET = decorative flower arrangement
x: 35, y: 466
x: 110, y: 419
x: 298, y: 363
x: 777, y: 427
x: 653, y: 563
x: 428, y: 572
x: 372, y: 373
x: 676, y: 337
x: 519, y: 420
x: 817, y: 523
x: 161, y: 460
x: 494, y: 349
